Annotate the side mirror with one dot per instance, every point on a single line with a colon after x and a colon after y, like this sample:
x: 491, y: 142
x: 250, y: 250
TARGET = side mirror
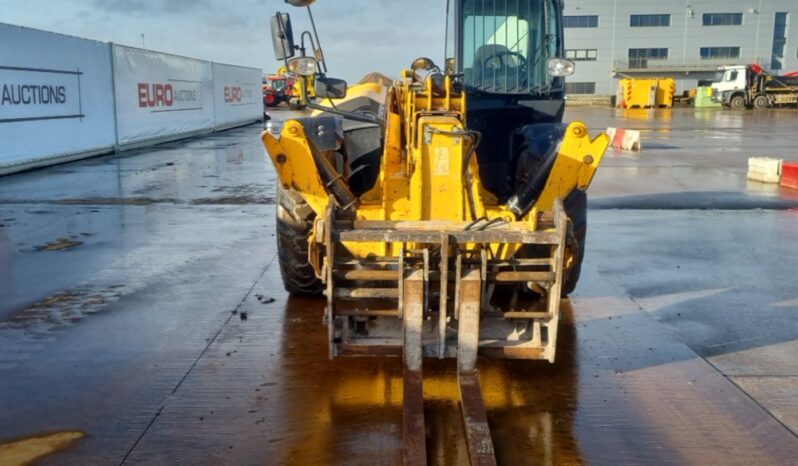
x: 330, y: 88
x: 282, y: 36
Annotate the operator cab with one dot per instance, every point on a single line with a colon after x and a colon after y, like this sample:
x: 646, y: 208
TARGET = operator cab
x: 504, y: 46
x: 509, y: 56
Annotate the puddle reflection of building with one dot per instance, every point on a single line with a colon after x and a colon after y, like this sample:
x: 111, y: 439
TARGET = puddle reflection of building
x: 349, y: 410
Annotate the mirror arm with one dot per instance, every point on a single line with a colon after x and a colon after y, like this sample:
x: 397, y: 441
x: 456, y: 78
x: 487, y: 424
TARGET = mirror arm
x: 335, y: 111
x: 323, y: 61
x: 313, y: 47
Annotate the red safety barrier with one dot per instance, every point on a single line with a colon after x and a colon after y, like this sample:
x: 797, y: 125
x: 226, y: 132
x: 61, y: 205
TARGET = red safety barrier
x: 625, y: 139
x: 789, y: 175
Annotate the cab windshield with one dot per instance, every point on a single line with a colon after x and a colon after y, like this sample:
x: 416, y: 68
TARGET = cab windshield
x: 505, y: 45
x: 278, y: 85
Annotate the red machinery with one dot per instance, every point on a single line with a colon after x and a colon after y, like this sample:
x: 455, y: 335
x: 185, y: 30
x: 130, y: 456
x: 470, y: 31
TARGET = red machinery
x: 277, y: 89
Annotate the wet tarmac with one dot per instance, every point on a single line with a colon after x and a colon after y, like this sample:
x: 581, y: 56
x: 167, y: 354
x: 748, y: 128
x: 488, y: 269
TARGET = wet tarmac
x: 126, y: 279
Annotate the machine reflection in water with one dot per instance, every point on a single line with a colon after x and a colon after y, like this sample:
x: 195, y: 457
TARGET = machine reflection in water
x: 349, y: 410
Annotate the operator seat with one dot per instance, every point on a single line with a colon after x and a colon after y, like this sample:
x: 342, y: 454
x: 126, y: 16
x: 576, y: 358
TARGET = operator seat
x: 494, y: 66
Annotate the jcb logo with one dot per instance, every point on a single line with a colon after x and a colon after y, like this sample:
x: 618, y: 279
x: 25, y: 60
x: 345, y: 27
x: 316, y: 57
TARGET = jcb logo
x: 232, y: 94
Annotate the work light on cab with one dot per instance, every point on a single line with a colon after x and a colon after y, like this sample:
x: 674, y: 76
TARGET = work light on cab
x: 559, y: 67
x: 302, y: 66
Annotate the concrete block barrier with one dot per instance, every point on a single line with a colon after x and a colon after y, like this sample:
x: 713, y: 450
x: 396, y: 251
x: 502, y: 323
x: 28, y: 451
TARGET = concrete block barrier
x: 625, y: 139
x: 789, y: 175
x: 764, y: 169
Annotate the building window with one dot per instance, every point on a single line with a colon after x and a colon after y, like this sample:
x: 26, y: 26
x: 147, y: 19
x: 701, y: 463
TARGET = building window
x: 580, y: 88
x: 779, y: 41
x: 642, y: 21
x: 580, y: 21
x: 710, y: 53
x: 581, y: 54
x: 639, y: 58
x: 723, y: 19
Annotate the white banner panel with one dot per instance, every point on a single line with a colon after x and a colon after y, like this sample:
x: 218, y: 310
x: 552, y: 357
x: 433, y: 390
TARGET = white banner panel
x: 56, y: 97
x: 160, y: 95
x: 237, y: 94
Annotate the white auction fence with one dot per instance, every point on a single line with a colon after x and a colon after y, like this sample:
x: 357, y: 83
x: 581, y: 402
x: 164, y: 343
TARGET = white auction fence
x: 64, y: 98
x: 57, y: 98
x: 237, y: 95
x: 159, y: 96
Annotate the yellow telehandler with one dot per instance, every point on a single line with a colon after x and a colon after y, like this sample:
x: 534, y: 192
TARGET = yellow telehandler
x: 297, y: 96
x: 443, y: 216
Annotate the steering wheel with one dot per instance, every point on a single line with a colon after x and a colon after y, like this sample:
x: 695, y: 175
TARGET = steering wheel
x: 501, y: 56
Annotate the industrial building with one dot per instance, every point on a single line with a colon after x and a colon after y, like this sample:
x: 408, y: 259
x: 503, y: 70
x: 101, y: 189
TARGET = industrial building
x: 683, y: 39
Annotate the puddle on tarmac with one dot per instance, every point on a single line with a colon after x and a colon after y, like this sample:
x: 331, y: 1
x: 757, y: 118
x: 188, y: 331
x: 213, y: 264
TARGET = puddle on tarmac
x: 236, y: 198
x: 113, y: 201
x: 28, y: 450
x: 57, y: 312
x: 604, y: 405
x: 61, y: 244
x: 233, y: 200
x: 353, y: 408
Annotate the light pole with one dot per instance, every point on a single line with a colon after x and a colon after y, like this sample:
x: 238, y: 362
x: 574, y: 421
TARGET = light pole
x: 142, y: 41
x: 758, y: 13
x: 688, y: 13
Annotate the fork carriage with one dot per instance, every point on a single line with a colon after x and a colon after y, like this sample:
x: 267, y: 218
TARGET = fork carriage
x: 447, y: 273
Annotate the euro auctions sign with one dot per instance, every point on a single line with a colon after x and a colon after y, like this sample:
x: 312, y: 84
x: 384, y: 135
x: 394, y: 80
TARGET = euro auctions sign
x: 30, y: 94
x: 56, y: 98
x: 237, y: 94
x: 232, y: 94
x: 174, y: 95
x: 160, y: 95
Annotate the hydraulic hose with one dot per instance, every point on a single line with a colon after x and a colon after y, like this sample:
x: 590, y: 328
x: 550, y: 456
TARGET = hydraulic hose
x: 530, y: 190
x: 333, y: 181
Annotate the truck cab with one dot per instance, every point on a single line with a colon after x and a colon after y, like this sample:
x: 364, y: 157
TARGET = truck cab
x: 730, y: 86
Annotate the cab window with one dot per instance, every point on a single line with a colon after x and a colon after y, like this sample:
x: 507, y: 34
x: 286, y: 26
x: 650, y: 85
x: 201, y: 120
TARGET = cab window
x: 506, y: 44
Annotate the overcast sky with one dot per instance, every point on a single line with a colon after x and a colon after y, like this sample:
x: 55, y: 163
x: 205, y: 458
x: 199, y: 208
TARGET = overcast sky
x: 358, y: 36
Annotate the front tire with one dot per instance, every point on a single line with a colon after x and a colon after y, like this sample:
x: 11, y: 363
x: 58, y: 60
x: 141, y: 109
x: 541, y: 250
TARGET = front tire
x: 294, y: 225
x: 737, y: 102
x: 270, y: 100
x: 576, y: 209
x: 296, y: 104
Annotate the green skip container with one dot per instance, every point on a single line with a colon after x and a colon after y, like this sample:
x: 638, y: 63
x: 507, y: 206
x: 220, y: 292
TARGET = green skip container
x: 703, y: 98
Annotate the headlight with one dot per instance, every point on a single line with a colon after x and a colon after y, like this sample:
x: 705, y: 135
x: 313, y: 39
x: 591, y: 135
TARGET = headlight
x: 302, y: 66
x: 559, y: 67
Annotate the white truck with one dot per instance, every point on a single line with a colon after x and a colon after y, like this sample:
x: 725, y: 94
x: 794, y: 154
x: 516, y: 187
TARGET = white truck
x: 751, y: 86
